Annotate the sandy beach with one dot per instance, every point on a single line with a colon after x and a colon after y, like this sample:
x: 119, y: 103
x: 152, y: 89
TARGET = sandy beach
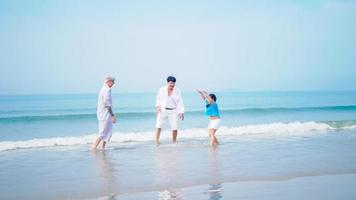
x: 309, y: 187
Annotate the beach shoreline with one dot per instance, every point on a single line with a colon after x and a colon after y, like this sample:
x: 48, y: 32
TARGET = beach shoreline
x: 307, y: 187
x: 240, y: 168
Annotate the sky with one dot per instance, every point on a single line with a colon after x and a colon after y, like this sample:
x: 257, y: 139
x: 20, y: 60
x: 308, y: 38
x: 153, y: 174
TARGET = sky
x: 68, y: 46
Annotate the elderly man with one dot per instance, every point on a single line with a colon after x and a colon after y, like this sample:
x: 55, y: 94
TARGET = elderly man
x: 169, y: 106
x: 105, y: 114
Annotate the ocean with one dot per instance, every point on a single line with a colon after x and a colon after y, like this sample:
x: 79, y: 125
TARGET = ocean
x: 265, y: 136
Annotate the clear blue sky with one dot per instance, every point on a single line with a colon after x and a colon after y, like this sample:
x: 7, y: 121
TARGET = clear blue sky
x: 68, y: 46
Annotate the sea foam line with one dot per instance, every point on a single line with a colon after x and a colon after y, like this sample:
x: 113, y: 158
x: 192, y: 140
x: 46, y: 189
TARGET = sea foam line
x: 272, y: 129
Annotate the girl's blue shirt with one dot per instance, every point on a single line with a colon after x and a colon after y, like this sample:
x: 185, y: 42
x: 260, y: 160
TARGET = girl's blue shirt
x: 212, y: 109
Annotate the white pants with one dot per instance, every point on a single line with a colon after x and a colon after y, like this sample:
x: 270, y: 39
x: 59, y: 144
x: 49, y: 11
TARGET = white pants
x: 170, y: 115
x: 214, y: 124
x: 105, y: 130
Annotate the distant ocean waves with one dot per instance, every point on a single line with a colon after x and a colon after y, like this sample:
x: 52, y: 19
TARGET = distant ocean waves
x: 8, y: 117
x: 268, y: 130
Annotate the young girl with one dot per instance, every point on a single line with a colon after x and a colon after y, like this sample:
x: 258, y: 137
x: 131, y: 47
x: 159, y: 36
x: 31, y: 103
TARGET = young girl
x: 212, y: 110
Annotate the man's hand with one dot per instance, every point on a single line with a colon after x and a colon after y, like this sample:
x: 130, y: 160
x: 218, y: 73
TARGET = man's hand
x: 113, y: 119
x: 181, y: 116
x: 158, y: 109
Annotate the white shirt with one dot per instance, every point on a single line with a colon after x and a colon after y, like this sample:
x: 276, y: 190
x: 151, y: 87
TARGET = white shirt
x: 104, y: 101
x: 176, y: 97
x: 171, y: 103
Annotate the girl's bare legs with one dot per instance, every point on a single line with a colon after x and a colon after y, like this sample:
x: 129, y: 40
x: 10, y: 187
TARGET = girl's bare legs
x: 213, y: 139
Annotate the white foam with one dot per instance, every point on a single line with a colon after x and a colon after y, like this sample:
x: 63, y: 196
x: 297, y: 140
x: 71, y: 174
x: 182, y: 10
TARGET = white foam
x: 350, y: 127
x: 271, y: 129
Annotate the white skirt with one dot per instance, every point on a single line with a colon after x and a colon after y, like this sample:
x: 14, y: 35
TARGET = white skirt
x: 214, y: 124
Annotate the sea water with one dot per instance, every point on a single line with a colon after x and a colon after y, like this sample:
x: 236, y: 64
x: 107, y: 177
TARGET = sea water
x: 45, y: 140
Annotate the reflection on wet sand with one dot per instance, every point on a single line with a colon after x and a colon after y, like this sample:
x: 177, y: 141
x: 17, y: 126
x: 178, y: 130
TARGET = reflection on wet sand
x: 214, y: 189
x: 170, y: 195
x: 169, y: 167
x: 106, y: 171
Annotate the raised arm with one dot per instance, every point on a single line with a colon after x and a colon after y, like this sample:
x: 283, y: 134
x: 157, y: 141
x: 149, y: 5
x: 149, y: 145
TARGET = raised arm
x: 203, y: 94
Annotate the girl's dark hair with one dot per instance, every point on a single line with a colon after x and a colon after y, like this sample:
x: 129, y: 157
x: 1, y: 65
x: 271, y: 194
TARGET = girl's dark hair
x: 213, y: 97
x: 171, y: 78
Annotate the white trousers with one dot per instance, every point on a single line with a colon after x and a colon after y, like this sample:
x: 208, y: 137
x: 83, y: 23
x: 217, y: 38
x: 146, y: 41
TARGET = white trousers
x: 170, y: 115
x: 105, y: 130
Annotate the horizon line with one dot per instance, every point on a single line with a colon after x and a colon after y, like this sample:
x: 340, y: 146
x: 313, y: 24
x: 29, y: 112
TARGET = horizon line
x: 187, y: 91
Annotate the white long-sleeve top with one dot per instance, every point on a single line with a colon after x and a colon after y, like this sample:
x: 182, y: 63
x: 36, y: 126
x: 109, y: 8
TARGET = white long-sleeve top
x: 104, y: 101
x: 162, y: 97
